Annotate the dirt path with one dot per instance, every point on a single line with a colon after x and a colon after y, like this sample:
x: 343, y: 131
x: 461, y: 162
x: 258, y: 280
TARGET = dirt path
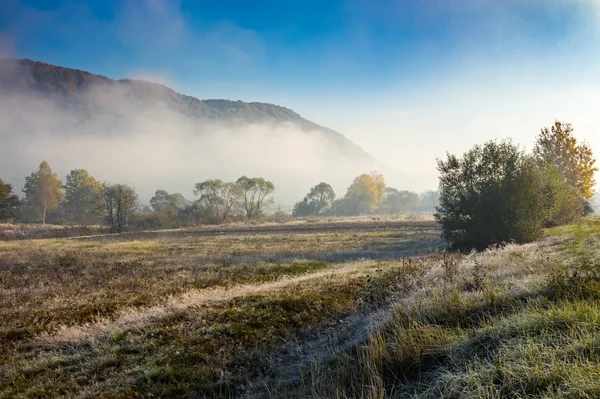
x: 134, y: 318
x: 294, y: 361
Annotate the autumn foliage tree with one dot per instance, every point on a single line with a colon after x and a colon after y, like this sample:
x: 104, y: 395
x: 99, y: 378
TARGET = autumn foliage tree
x: 43, y: 191
x: 557, y: 147
x: 365, y: 193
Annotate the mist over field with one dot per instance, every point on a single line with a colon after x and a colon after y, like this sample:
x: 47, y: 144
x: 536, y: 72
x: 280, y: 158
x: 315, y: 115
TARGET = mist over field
x: 120, y: 136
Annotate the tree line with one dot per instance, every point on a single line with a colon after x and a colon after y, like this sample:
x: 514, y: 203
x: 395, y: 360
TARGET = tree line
x: 368, y: 194
x: 496, y: 192
x: 84, y: 200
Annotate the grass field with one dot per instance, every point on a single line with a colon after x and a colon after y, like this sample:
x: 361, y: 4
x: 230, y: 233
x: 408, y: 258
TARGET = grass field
x: 319, y: 308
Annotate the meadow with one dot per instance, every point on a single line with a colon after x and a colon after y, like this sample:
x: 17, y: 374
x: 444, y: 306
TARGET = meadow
x: 317, y: 308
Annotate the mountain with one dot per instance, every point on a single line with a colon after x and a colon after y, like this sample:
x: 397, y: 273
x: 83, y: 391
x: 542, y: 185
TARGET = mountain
x: 70, y: 87
x: 47, y: 102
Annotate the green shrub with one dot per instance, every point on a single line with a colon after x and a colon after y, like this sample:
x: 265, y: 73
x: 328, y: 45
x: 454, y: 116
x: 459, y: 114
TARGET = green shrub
x: 495, y: 193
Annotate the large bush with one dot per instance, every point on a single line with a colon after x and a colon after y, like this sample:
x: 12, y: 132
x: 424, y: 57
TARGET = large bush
x: 495, y: 193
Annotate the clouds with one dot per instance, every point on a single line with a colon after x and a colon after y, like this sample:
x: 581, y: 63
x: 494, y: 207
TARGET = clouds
x: 155, y: 29
x: 151, y: 25
x: 133, y: 36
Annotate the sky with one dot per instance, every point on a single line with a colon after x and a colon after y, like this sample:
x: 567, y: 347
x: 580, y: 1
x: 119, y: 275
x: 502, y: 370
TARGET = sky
x: 407, y: 80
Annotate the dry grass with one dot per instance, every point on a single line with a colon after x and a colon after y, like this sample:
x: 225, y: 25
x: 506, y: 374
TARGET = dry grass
x: 519, y: 321
x: 48, y: 284
x: 343, y: 309
x: 66, y: 305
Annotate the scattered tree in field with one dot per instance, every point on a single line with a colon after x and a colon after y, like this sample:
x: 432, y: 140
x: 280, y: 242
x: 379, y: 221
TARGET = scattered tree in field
x: 217, y: 199
x: 365, y: 193
x: 9, y: 201
x: 162, y: 199
x: 254, y: 192
x: 429, y: 200
x: 190, y: 214
x: 82, y: 197
x: 165, y: 209
x: 399, y: 201
x: 341, y: 207
x: 303, y: 208
x: 119, y: 203
x: 42, y: 192
x: 319, y: 197
x: 495, y: 193
x: 380, y: 184
x: 557, y: 148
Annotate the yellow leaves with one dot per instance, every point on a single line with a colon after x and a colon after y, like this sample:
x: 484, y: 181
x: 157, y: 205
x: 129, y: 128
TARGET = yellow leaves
x: 366, y: 192
x: 558, y: 146
x: 380, y: 183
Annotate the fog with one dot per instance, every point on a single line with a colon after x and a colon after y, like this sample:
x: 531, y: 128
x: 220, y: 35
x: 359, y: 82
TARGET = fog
x: 143, y: 143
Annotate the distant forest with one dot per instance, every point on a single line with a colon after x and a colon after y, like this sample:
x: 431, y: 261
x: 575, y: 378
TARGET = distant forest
x: 81, y: 199
x: 495, y: 193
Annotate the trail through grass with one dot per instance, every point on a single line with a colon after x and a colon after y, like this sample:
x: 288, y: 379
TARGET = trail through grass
x: 516, y: 322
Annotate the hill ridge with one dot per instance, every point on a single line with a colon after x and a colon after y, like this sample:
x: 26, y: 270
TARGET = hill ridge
x: 66, y: 83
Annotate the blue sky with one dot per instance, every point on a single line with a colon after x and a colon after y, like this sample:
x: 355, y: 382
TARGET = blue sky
x: 407, y: 80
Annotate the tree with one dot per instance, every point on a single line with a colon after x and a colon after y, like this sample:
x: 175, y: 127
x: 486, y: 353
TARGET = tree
x: 303, y: 208
x: 254, y: 192
x: 495, y: 193
x: 119, y: 203
x: 429, y: 200
x: 365, y: 193
x: 82, y: 196
x: 190, y: 214
x: 341, y: 207
x: 380, y: 184
x: 165, y: 209
x: 162, y: 198
x: 318, y: 198
x: 397, y: 201
x: 9, y: 201
x: 557, y: 148
x: 42, y: 192
x: 217, y: 199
